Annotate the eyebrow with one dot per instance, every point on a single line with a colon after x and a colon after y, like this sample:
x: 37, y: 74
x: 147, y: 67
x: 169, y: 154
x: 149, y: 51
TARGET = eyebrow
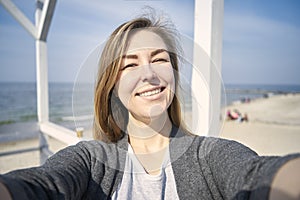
x: 157, y: 51
x: 153, y: 53
x: 130, y: 56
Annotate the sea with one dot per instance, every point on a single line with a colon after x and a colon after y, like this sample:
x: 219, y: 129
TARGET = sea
x: 71, y: 105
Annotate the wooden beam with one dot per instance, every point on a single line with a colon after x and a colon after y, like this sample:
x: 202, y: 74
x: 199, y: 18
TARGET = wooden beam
x: 60, y: 133
x: 206, y: 77
x: 45, y: 19
x: 20, y: 17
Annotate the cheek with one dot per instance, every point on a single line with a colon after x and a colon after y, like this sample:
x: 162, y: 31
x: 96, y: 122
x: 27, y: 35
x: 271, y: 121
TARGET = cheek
x: 124, y: 88
x: 166, y: 73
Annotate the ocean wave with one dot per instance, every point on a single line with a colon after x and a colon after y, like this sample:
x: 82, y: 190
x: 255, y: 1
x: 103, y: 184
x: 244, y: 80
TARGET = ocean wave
x: 11, y: 119
x: 7, y: 122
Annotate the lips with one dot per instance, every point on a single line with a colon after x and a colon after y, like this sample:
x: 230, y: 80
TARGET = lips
x: 150, y: 92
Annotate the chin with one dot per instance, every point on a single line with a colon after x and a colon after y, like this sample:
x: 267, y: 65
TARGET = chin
x: 154, y: 112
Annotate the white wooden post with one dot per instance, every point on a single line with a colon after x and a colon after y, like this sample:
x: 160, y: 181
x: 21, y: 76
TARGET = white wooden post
x: 206, y: 79
x: 43, y: 16
x: 41, y: 71
x: 41, y: 83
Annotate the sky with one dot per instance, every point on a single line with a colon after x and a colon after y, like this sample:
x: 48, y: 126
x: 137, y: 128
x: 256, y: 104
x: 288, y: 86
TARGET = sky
x: 261, y: 42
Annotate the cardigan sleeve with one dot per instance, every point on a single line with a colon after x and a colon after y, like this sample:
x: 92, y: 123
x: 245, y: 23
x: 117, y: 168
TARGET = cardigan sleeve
x: 65, y: 175
x: 238, y: 172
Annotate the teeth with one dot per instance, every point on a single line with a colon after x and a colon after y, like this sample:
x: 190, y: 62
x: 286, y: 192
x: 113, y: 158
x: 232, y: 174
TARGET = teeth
x: 150, y: 93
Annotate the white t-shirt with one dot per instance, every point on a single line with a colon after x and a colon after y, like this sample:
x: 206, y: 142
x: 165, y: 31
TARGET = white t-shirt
x: 138, y: 184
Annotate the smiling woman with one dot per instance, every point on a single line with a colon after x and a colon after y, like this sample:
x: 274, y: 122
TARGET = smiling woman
x: 141, y: 149
x: 142, y: 76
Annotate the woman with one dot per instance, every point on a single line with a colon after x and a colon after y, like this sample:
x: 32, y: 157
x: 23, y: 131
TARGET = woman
x: 141, y: 148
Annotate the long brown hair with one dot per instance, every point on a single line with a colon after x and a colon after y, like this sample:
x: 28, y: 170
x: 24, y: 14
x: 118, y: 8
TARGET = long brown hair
x: 111, y: 117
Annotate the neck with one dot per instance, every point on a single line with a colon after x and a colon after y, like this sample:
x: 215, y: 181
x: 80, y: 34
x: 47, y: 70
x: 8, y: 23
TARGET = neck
x: 150, y: 137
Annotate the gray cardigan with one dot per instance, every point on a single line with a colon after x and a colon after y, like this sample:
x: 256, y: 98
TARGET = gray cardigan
x: 204, y: 168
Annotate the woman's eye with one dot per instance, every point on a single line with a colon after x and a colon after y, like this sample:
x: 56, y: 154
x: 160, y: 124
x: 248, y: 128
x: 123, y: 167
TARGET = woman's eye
x: 129, y: 65
x: 159, y: 60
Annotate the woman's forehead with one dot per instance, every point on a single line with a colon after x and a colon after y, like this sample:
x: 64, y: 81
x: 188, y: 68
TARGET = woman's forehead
x: 145, y: 39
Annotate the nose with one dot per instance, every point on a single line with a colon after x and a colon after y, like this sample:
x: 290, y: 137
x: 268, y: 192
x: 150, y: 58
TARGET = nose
x: 148, y: 73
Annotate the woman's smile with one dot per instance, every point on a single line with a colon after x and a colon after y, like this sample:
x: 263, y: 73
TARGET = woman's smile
x: 153, y: 92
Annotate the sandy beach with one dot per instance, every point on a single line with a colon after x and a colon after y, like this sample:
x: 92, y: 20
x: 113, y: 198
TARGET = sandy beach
x: 273, y: 129
x: 23, y: 160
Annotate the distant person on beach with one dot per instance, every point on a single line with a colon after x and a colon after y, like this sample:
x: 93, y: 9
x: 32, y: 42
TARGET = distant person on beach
x: 235, y: 115
x: 246, y: 100
x: 142, y: 149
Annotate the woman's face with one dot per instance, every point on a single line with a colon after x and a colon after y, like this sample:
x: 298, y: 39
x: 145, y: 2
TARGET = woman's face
x: 146, y: 81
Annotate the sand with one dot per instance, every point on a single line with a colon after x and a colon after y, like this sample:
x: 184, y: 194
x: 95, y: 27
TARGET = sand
x: 273, y: 129
x: 24, y: 160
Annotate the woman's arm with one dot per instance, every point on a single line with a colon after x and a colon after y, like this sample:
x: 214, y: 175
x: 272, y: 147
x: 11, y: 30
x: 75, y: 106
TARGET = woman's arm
x: 240, y: 172
x: 286, y: 183
x: 65, y: 175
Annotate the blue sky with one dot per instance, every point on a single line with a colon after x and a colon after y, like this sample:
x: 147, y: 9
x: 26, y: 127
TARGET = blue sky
x: 261, y: 42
